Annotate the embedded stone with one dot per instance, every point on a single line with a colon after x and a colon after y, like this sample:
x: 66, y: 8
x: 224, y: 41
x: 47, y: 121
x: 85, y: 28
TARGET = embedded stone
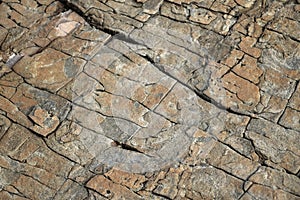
x: 44, y: 122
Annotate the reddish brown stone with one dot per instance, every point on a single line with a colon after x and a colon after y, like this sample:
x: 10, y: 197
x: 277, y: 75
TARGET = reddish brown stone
x: 247, y: 92
x: 13, y: 112
x: 234, y: 57
x: 44, y: 122
x: 255, y: 30
x: 168, y: 186
x: 177, y: 99
x: 248, y: 69
x: 247, y: 44
x: 133, y: 181
x: 50, y: 69
x: 36, y: 191
x: 110, y: 189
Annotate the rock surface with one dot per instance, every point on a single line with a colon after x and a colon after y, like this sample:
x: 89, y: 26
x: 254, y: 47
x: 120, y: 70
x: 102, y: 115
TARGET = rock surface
x: 144, y: 99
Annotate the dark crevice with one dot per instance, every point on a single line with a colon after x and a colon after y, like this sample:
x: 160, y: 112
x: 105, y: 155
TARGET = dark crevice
x: 290, y: 173
x: 60, y: 154
x: 227, y: 172
x: 127, y: 39
x: 19, y: 194
x: 78, y: 122
x: 161, y: 195
x: 3, y: 39
x: 281, y: 188
x: 107, y: 30
x: 91, y: 189
x: 43, y: 48
x: 248, y: 178
x: 233, y: 149
x: 261, y: 156
x: 284, y: 34
x: 77, y: 10
x: 128, y: 147
x: 198, y: 93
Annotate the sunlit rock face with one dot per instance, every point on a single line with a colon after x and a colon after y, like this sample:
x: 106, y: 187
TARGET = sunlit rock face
x: 145, y: 99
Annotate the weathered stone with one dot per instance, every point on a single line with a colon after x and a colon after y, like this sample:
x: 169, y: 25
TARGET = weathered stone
x: 167, y: 187
x: 50, y: 161
x: 286, y: 26
x: 49, y: 70
x: 142, y: 99
x: 26, y: 149
x: 228, y: 160
x: 42, y: 176
x: 71, y: 190
x: 7, y: 177
x: 202, y: 16
x: 36, y: 189
x: 295, y: 99
x: 80, y: 174
x: 260, y: 191
x: 291, y: 119
x: 234, y: 57
x: 123, y: 8
x: 246, y: 92
x: 66, y: 140
x: 143, y: 17
x: 280, y: 53
x: 4, y: 125
x: 45, y: 123
x: 133, y: 181
x: 182, y: 1
x: 203, y: 184
x: 7, y: 92
x: 27, y: 97
x: 275, y: 143
x: 283, y: 181
x: 84, y: 43
x: 277, y: 84
x: 110, y: 189
x: 95, y: 196
x: 224, y: 7
x: 271, y: 107
x: 13, y: 112
x: 245, y: 3
x: 11, y: 196
x: 10, y: 142
x: 255, y: 30
x: 248, y: 69
x: 152, y: 7
x: 247, y: 44
x: 171, y: 10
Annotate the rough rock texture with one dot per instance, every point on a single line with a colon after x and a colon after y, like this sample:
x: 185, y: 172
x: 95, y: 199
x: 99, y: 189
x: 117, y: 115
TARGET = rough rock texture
x: 149, y: 99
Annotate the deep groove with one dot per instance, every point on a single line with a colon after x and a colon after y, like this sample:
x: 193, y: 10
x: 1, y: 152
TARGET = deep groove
x: 199, y: 94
